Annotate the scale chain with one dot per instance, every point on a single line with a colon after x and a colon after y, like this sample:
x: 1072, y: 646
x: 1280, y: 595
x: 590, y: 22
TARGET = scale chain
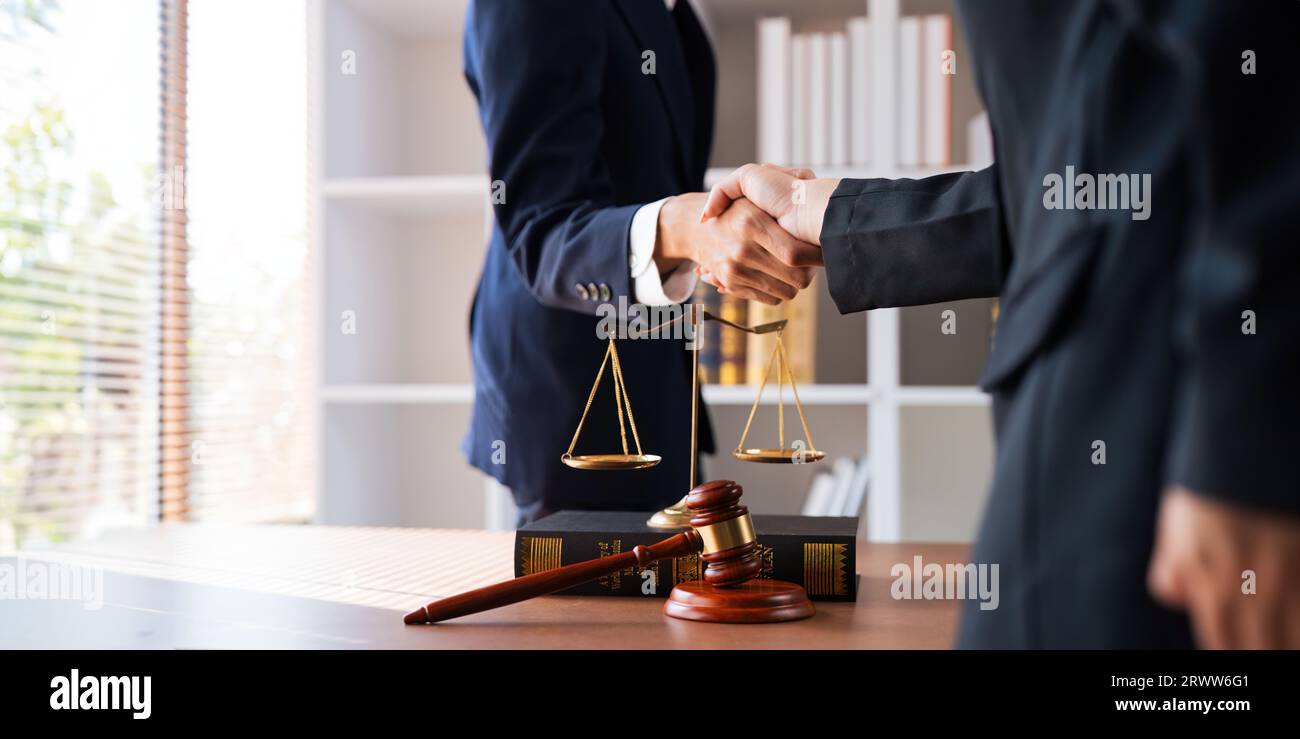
x: 618, y: 374
x: 795, y: 390
x: 780, y: 395
x: 618, y: 398
x: 590, y: 397
x: 759, y: 396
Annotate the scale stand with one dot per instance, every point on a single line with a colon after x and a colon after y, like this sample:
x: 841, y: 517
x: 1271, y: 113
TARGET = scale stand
x: 678, y: 515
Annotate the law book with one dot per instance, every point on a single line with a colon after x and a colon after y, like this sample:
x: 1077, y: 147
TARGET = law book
x: 732, y: 347
x: 936, y: 88
x: 859, y: 33
x: 909, y: 91
x: 774, y: 90
x: 818, y: 553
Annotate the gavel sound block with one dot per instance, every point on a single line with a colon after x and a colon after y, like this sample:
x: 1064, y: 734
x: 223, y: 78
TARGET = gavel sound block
x: 723, y: 536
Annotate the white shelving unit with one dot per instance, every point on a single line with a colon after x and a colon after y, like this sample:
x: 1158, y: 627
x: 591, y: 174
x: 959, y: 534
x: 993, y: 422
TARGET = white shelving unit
x: 403, y: 218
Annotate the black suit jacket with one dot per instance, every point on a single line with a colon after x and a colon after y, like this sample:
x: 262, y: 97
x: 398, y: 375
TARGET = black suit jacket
x: 580, y: 138
x: 1123, y: 331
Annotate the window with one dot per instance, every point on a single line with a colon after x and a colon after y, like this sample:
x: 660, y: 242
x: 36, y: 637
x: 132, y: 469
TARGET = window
x: 155, y: 282
x: 251, y: 393
x: 78, y: 267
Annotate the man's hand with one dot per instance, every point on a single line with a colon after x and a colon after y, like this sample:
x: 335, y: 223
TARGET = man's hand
x: 792, y: 196
x: 744, y: 247
x: 789, y: 195
x: 1236, y: 571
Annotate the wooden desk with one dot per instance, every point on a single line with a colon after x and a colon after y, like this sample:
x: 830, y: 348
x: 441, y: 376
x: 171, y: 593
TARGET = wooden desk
x: 203, y: 586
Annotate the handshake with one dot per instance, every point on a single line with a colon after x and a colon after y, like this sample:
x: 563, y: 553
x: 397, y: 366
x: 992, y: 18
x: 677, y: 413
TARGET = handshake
x: 755, y: 235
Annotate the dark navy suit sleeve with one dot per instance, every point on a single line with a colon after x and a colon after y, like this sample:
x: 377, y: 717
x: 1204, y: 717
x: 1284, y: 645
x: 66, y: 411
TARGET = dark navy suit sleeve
x: 539, y: 78
x: 1236, y: 435
x: 890, y: 243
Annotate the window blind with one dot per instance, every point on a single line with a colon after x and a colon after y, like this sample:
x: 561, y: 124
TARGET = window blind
x: 79, y: 256
x: 239, y: 428
x: 156, y: 285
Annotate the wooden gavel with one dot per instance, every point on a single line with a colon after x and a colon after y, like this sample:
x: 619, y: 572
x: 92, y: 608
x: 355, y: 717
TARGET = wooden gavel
x: 721, y: 533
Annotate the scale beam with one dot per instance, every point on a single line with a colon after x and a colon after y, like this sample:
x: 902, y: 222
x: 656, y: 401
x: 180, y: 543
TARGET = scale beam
x: 762, y: 328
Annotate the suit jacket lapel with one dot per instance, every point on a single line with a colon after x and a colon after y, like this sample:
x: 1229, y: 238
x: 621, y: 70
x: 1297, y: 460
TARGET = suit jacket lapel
x: 653, y: 28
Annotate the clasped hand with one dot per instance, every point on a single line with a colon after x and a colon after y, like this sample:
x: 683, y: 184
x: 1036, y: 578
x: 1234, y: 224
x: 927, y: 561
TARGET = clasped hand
x: 749, y: 237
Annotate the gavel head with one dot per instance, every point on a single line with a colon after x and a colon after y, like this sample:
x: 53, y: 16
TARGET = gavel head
x: 730, y: 549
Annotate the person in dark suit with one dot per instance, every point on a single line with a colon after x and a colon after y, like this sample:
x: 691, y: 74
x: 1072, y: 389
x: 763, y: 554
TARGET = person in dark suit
x: 1141, y: 226
x: 598, y: 117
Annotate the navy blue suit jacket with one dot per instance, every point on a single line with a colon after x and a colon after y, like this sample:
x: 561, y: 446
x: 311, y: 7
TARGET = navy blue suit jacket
x: 580, y: 138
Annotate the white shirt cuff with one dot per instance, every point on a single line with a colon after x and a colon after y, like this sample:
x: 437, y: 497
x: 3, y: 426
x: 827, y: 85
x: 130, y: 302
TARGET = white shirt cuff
x: 648, y: 286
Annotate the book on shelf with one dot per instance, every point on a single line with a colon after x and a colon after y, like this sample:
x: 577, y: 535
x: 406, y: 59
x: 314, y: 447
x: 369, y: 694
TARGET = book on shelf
x: 842, y: 470
x: 815, y: 90
x: 859, y: 32
x: 883, y: 36
x: 732, y: 344
x: 818, y: 111
x: 841, y: 491
x: 909, y: 91
x: 936, y: 86
x: 818, y: 498
x: 797, y: 104
x: 979, y: 141
x: 710, y: 346
x: 818, y: 553
x: 774, y: 89
x: 837, y: 77
x: 800, y: 338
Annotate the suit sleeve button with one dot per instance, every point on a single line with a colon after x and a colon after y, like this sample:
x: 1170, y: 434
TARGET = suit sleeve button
x: 592, y: 293
x: 604, y: 291
x: 581, y: 290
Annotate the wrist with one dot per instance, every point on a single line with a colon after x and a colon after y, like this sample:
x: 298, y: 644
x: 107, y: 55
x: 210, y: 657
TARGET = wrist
x: 677, y: 218
x: 806, y: 224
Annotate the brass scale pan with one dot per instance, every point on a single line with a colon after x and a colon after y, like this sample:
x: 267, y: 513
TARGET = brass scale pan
x: 611, y: 461
x: 642, y: 461
x: 779, y: 456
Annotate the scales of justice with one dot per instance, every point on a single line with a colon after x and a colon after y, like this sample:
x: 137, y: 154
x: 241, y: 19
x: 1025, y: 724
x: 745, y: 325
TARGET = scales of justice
x: 678, y: 516
x: 716, y: 527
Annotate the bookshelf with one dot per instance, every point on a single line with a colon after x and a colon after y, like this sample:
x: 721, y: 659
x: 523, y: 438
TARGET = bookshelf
x: 402, y: 218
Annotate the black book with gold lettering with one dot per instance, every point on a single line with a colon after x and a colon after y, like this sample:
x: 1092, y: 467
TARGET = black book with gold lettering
x: 817, y: 552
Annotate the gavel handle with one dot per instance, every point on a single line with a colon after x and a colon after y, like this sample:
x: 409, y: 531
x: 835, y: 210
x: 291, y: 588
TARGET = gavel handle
x: 541, y: 583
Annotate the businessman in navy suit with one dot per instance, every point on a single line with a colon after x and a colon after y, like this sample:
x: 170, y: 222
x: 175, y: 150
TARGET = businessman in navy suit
x: 598, y: 116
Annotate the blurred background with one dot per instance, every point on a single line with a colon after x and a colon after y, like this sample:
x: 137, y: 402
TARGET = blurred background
x: 239, y: 240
